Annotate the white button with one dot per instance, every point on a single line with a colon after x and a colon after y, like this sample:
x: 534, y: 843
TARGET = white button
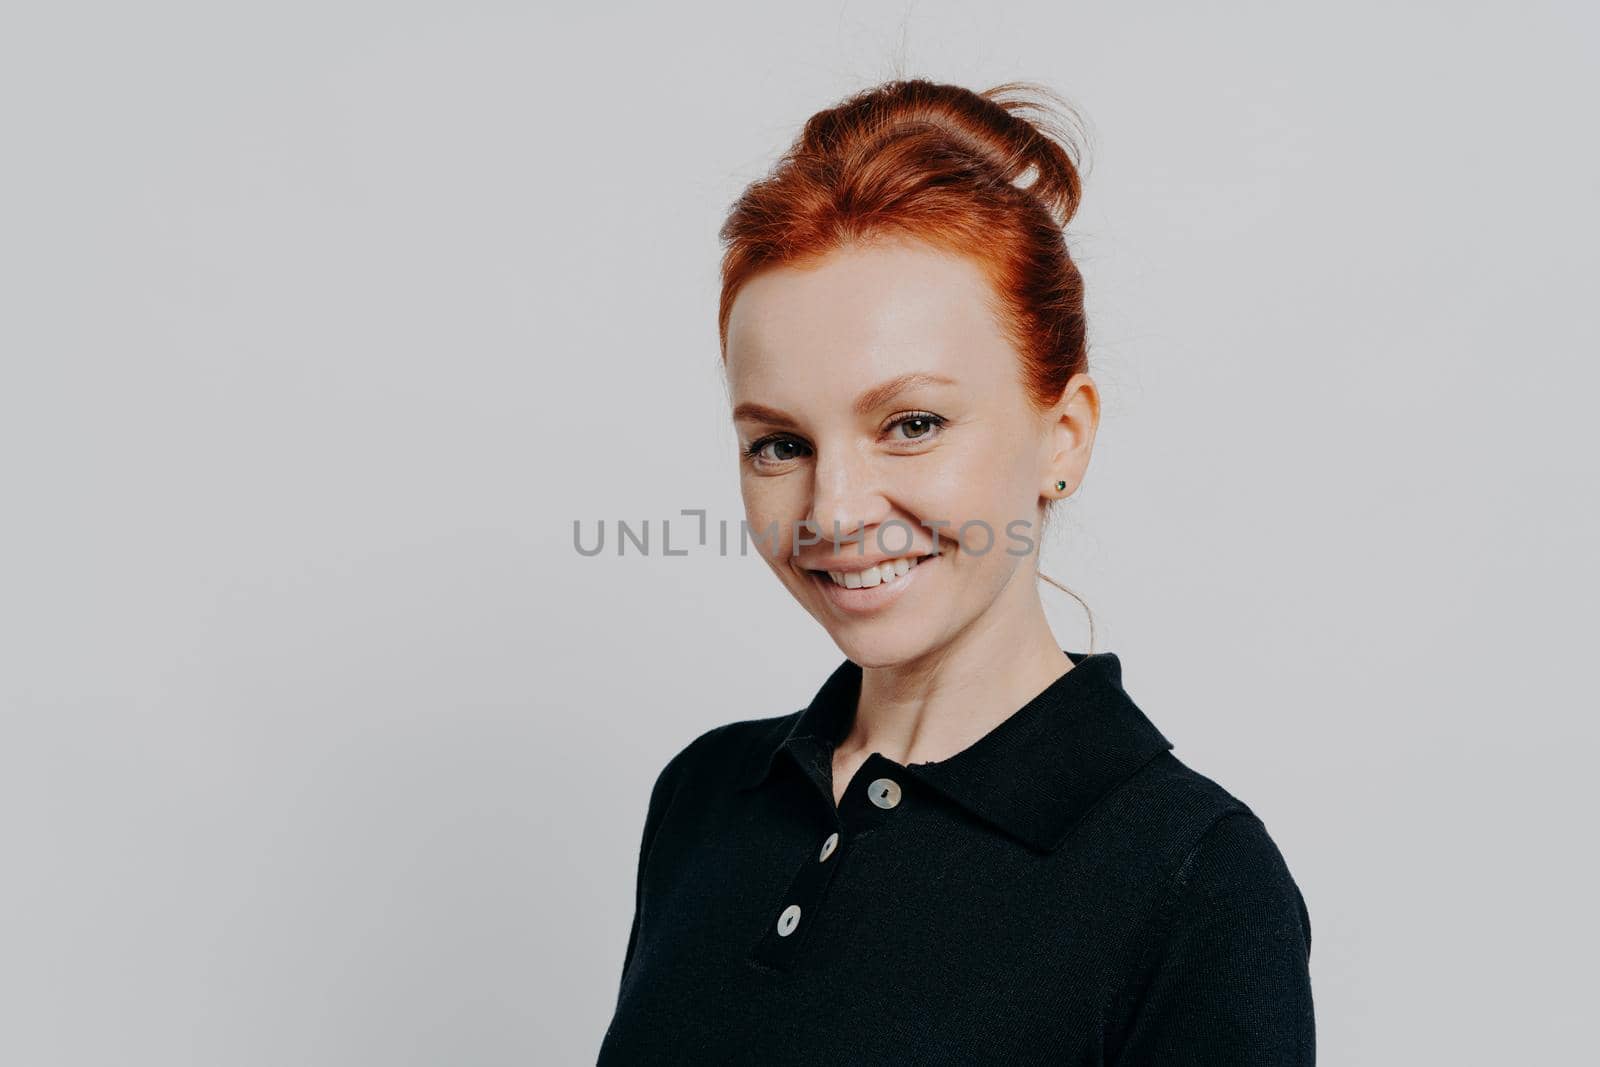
x: 828, y: 846
x: 788, y: 920
x: 885, y: 792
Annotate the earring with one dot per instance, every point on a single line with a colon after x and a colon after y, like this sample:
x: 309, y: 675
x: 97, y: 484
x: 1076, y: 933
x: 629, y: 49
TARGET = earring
x: 1061, y: 487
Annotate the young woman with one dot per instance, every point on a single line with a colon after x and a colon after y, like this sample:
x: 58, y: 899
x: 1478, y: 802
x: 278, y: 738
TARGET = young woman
x: 971, y: 846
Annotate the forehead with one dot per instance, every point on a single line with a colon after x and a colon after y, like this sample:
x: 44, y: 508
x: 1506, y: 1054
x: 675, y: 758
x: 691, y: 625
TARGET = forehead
x: 862, y: 313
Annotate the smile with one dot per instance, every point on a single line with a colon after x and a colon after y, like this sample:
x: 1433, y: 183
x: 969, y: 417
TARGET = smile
x: 873, y: 589
x: 883, y: 573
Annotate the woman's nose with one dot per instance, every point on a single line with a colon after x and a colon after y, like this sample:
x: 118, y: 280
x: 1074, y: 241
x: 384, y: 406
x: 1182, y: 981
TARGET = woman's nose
x: 844, y: 499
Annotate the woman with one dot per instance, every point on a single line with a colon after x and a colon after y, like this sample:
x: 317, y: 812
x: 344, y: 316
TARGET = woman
x: 971, y: 846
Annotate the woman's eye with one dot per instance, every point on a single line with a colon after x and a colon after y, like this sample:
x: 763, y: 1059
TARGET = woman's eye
x: 782, y: 450
x: 776, y: 450
x: 917, y: 427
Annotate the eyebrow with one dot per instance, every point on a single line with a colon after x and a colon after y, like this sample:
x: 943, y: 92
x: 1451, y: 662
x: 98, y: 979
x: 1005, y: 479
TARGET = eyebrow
x: 869, y: 401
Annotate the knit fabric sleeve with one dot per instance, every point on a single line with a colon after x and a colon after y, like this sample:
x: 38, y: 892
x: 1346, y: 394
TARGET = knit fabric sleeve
x: 1229, y: 982
x: 661, y: 795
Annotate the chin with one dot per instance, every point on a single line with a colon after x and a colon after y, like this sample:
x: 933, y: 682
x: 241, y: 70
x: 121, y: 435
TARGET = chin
x: 875, y: 644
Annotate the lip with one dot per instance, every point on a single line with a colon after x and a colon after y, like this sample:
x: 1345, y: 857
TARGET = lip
x: 851, y: 564
x: 876, y: 599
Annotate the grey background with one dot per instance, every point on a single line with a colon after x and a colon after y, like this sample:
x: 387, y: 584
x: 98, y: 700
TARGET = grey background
x: 323, y: 322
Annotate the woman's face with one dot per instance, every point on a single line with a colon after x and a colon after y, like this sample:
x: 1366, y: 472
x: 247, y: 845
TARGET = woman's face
x: 879, y: 408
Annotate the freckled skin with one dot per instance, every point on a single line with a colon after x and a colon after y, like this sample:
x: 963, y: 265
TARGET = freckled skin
x: 968, y: 643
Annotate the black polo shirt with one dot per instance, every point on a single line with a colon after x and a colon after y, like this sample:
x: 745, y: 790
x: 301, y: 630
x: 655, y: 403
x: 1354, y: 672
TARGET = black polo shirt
x: 1064, y: 890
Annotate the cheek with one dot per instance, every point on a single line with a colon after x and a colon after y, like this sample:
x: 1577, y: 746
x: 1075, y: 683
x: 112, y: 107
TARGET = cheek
x: 988, y: 489
x: 769, y: 501
x: 989, y: 485
x: 763, y: 497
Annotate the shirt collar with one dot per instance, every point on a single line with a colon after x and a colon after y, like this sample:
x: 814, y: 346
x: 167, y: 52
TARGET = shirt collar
x: 1033, y: 776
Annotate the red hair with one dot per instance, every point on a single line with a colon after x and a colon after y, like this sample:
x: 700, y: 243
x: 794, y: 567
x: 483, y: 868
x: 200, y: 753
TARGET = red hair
x: 992, y: 176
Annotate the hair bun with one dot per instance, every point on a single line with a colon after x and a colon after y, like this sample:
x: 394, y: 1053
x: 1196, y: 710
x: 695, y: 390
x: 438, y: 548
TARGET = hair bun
x: 1051, y: 136
x: 1023, y: 133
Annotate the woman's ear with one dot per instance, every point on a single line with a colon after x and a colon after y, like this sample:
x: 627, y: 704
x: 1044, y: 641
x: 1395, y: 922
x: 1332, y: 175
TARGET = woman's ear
x: 1070, y: 426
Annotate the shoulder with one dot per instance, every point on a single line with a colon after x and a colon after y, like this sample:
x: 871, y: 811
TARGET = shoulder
x: 1236, y: 876
x: 721, y: 751
x: 1219, y: 855
x: 735, y: 739
x: 1174, y: 785
x: 1182, y: 808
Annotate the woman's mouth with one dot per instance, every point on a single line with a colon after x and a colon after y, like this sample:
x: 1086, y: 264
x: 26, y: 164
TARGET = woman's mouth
x: 873, y: 588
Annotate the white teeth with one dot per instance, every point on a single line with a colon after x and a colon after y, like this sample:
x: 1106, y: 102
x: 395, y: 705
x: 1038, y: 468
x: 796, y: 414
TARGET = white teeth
x: 886, y: 571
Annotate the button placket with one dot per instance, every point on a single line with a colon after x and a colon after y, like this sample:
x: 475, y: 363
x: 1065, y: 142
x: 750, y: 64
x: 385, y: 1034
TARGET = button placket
x: 800, y: 906
x: 872, y: 797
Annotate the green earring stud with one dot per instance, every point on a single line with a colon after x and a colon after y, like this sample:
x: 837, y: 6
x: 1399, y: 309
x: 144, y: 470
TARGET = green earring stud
x: 1061, y: 487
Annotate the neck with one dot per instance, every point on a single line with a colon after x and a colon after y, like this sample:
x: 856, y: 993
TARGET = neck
x: 928, y: 709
